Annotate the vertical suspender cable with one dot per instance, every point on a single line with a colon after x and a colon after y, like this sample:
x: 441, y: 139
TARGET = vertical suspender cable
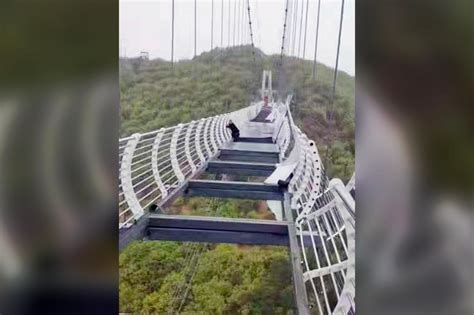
x: 172, y: 32
x: 301, y: 28
x: 212, y: 24
x: 316, y: 41
x: 242, y: 30
x: 294, y: 28
x: 290, y: 28
x: 305, y: 28
x: 195, y: 27
x: 242, y: 20
x: 238, y: 22
x: 338, y: 47
x: 244, y: 24
x: 228, y: 26
x: 233, y: 33
x: 222, y: 23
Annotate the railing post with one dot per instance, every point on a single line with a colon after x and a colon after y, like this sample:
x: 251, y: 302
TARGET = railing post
x: 174, y: 158
x: 126, y: 177
x: 187, y: 145
x: 220, y: 129
x: 197, y: 141
x: 213, y: 134
x: 154, y: 164
x: 206, y: 136
x: 226, y: 131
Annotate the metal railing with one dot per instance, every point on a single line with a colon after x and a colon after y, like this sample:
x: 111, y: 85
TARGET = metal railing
x: 327, y: 243
x: 325, y: 221
x: 154, y: 164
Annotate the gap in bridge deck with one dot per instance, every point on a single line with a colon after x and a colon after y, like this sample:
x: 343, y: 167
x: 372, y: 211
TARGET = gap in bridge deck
x: 233, y: 177
x: 221, y: 207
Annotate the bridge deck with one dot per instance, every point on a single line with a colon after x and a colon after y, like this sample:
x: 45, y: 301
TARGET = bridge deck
x: 217, y: 230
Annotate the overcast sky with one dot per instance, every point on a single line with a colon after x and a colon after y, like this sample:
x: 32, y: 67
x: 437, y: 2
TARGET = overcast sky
x: 145, y: 25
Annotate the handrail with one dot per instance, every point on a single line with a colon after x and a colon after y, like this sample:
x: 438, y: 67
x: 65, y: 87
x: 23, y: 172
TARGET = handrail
x: 325, y: 212
x: 329, y: 262
x: 154, y: 164
x: 172, y: 155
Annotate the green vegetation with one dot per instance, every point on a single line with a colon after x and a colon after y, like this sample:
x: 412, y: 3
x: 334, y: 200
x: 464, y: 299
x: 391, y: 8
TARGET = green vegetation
x: 155, y: 95
x: 228, y: 279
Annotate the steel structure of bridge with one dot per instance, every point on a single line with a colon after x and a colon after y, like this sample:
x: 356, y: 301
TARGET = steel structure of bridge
x: 315, y: 216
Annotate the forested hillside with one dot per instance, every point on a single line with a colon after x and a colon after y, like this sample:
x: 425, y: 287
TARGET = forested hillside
x: 229, y: 279
x: 154, y: 95
x: 226, y: 279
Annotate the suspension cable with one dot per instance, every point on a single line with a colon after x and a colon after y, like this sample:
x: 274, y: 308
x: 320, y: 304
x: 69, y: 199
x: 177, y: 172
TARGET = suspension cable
x: 195, y: 27
x: 284, y: 33
x: 190, y: 282
x: 172, y: 32
x: 242, y: 25
x: 283, y: 38
x: 198, y: 252
x: 316, y: 41
x: 301, y: 28
x: 295, y: 26
x: 233, y: 33
x: 250, y: 29
x: 337, y: 54
x: 222, y: 23
x: 238, y: 21
x: 305, y: 28
x: 290, y: 28
x: 228, y: 26
x: 212, y: 24
x: 190, y: 252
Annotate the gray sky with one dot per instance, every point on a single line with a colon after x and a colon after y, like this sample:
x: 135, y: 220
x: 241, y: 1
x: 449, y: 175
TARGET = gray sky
x: 145, y: 25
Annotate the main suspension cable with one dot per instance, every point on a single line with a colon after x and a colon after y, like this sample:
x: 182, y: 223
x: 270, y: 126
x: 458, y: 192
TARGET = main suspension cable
x: 284, y: 34
x: 290, y: 28
x: 251, y: 32
x: 283, y: 39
